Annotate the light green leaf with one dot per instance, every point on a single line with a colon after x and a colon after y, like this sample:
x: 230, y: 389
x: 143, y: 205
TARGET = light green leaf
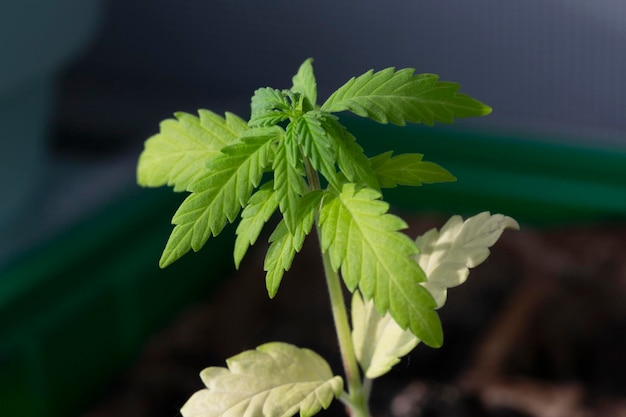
x: 364, y: 241
x: 289, y: 183
x: 407, y: 169
x: 268, y: 107
x: 379, y: 342
x: 177, y: 155
x: 257, y: 212
x: 279, y: 257
x: 291, y: 146
x: 275, y: 380
x: 397, y: 97
x: 445, y: 256
x: 317, y: 145
x: 218, y: 196
x: 285, y: 243
x: 352, y: 161
x: 305, y: 84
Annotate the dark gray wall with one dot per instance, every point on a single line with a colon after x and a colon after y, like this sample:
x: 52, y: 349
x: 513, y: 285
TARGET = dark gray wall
x: 554, y: 67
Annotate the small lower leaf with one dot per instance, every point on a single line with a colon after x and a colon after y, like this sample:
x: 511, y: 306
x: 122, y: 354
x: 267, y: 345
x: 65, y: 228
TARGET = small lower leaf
x: 275, y: 380
x: 445, y: 256
x: 379, y: 342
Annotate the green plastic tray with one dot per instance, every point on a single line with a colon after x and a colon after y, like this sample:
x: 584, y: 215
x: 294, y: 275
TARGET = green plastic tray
x: 74, y: 312
x: 539, y: 182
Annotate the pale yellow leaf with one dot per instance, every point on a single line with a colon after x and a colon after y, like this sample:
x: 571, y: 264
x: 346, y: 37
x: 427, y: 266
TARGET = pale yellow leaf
x: 275, y: 380
x: 446, y: 255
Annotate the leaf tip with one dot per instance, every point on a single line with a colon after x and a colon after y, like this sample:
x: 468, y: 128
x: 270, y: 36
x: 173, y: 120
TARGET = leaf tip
x: 167, y: 258
x: 436, y: 344
x: 272, y: 281
x: 510, y: 223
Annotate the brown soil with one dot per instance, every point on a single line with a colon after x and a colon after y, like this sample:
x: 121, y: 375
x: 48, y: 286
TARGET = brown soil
x: 538, y: 330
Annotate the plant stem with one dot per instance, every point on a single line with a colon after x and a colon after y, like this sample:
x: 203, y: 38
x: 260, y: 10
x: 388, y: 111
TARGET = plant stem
x: 358, y: 402
x: 367, y: 388
x: 357, y: 397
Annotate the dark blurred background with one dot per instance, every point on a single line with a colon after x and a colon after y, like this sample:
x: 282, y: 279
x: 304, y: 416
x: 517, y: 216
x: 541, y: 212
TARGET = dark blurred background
x: 83, y: 83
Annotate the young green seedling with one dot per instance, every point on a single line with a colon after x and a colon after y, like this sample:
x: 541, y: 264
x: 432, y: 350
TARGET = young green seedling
x: 320, y: 178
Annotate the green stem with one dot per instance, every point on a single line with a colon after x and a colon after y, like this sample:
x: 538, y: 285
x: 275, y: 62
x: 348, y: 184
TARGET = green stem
x: 367, y: 388
x: 357, y: 397
x: 358, y: 401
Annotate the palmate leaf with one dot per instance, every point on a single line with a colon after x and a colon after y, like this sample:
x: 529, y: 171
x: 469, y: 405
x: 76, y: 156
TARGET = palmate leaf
x: 285, y: 243
x: 217, y: 196
x: 305, y: 84
x: 364, y: 241
x: 445, y: 256
x: 178, y: 153
x: 407, y: 169
x: 275, y: 380
x: 378, y: 341
x: 397, y: 97
x: 255, y: 214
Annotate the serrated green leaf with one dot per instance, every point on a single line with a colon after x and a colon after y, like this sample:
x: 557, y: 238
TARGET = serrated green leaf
x: 291, y: 147
x: 407, y: 169
x: 304, y: 83
x: 364, y: 241
x: 397, y: 97
x: 285, y: 244
x: 317, y: 145
x: 378, y: 341
x: 179, y: 152
x: 279, y: 257
x: 352, y: 161
x: 275, y: 380
x: 268, y: 107
x: 289, y: 182
x: 218, y: 196
x: 257, y: 212
x: 445, y: 256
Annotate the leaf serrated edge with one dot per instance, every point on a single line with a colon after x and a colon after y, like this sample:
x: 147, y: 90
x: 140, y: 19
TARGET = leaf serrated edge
x: 193, y: 222
x: 221, y: 383
x: 413, y: 309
